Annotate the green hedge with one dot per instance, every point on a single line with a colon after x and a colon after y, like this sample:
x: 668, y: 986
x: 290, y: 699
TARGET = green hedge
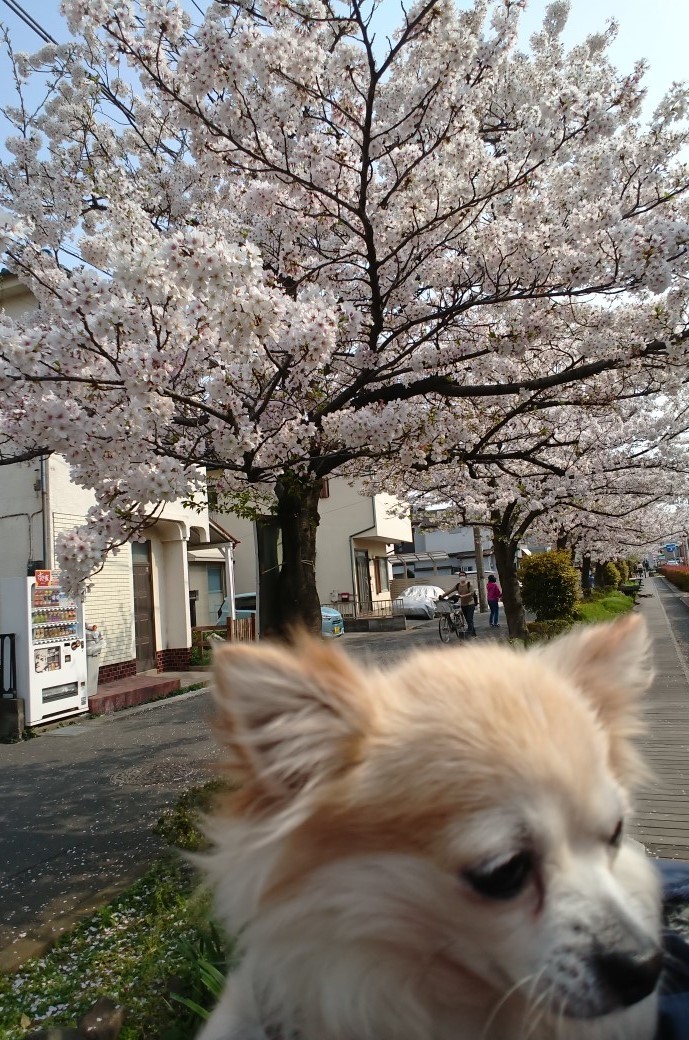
x: 677, y: 576
x: 611, y: 576
x: 544, y: 630
x: 600, y: 606
x: 550, y: 585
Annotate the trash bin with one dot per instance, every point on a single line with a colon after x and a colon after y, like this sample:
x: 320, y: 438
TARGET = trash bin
x: 95, y: 645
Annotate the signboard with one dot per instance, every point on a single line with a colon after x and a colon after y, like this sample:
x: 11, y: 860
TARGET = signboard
x: 42, y: 578
x: 671, y: 547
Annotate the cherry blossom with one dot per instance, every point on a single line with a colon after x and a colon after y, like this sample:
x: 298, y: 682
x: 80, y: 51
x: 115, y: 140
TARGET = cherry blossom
x: 275, y: 247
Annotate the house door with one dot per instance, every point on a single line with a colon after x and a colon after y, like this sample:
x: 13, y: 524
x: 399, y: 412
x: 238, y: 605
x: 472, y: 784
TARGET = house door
x: 363, y: 579
x: 144, y: 631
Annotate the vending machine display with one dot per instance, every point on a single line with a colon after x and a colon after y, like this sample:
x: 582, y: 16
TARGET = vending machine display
x: 49, y: 640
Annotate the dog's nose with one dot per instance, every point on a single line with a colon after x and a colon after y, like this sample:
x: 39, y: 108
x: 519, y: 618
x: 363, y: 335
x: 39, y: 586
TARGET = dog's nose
x: 629, y: 977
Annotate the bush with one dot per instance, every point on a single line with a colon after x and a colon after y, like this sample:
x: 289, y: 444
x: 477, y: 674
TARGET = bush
x: 611, y: 576
x: 624, y: 572
x: 677, y: 576
x: 545, y: 630
x: 550, y: 585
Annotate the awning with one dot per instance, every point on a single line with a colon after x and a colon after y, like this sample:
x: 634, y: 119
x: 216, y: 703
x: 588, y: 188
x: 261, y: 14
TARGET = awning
x: 196, y: 555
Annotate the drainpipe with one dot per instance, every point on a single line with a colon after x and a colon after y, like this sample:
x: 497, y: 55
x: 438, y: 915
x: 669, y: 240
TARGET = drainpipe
x: 47, y: 533
x: 228, y: 553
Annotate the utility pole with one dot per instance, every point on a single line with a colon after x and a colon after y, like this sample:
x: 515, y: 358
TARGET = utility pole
x: 478, y: 552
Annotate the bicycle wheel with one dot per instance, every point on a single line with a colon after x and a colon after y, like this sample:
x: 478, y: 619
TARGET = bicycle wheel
x: 460, y: 627
x: 444, y: 629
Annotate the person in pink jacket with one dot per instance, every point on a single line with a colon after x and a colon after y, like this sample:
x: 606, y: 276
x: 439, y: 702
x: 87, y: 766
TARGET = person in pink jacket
x: 493, y: 595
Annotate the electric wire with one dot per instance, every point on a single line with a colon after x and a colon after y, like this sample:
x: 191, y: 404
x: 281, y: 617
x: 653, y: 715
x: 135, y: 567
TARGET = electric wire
x: 16, y: 8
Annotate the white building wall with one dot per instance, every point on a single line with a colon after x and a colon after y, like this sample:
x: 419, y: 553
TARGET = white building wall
x: 389, y: 524
x: 110, y: 603
x: 347, y: 520
x: 21, y: 518
x: 344, y: 514
x: 198, y: 580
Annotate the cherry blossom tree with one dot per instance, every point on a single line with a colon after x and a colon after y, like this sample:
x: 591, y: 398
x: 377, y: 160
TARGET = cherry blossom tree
x: 604, y: 479
x: 274, y: 246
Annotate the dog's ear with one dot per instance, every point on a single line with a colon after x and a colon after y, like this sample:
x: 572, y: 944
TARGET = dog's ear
x: 289, y: 717
x: 611, y: 665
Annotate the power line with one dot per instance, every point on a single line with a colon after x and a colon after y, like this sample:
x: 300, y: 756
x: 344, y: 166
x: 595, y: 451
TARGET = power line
x: 16, y: 8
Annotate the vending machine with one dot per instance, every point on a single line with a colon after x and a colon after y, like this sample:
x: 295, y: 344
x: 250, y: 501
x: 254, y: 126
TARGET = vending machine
x: 49, y: 645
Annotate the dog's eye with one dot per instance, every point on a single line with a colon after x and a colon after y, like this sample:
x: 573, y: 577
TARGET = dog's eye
x: 505, y: 881
x: 616, y: 836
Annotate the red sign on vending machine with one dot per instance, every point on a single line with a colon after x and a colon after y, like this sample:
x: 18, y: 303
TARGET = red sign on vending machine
x: 42, y: 578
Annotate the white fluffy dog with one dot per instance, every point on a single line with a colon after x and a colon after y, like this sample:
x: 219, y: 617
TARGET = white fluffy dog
x: 436, y: 852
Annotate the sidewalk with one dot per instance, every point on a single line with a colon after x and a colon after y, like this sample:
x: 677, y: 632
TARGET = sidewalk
x: 662, y: 810
x: 77, y: 807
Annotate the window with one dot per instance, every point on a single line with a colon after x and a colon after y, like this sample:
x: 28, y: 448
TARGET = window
x: 380, y: 572
x: 325, y: 488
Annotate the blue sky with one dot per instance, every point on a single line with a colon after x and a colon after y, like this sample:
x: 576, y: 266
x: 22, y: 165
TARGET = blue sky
x: 655, y: 30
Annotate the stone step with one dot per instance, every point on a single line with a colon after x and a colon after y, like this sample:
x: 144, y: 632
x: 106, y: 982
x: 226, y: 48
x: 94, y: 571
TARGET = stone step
x: 127, y: 693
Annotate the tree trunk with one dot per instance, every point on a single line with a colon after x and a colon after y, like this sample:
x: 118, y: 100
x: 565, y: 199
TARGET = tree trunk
x: 288, y: 597
x: 561, y: 542
x: 268, y: 553
x: 599, y: 574
x: 480, y: 576
x: 505, y: 549
x: 585, y: 574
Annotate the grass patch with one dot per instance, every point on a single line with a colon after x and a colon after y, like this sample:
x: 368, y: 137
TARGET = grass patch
x: 153, y: 949
x: 604, y: 606
x: 142, y: 950
x: 599, y: 606
x: 179, y: 826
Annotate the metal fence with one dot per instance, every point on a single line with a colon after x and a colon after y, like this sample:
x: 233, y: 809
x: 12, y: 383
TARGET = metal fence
x: 8, y: 665
x: 375, y: 610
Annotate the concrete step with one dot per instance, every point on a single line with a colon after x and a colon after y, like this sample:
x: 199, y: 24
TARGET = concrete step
x: 127, y: 693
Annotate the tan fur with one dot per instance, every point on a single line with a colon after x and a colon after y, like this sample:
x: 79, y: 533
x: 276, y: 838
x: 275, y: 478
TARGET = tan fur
x: 368, y: 800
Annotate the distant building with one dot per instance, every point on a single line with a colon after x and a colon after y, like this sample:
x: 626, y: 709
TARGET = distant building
x: 437, y: 552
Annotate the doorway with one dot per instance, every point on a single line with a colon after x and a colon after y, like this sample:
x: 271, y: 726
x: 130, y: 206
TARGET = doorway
x: 363, y: 580
x: 144, y: 628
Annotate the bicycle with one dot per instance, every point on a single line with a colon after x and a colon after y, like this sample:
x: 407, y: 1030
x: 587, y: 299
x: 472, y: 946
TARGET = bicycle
x: 451, y: 620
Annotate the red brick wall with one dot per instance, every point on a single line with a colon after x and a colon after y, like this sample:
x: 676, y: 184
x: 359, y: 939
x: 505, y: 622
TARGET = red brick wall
x: 110, y: 672
x: 174, y: 660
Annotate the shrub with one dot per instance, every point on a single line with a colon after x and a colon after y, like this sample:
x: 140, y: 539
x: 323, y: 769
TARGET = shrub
x: 550, y: 585
x: 611, y: 576
x: 677, y: 576
x: 624, y: 572
x: 545, y: 630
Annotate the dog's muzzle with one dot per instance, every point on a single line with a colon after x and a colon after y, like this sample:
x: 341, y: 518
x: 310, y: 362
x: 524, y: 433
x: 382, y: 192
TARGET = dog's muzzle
x: 626, y: 978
